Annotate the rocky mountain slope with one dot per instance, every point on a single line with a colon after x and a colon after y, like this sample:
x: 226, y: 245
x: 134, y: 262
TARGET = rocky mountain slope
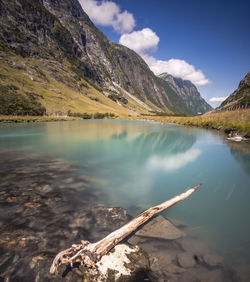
x: 240, y: 98
x: 60, y: 61
x: 188, y: 93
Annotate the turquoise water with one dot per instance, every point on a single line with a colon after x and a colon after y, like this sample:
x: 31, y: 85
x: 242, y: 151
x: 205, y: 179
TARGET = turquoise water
x: 138, y: 164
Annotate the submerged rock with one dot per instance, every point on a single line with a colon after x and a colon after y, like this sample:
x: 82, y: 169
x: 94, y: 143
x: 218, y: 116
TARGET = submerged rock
x: 186, y: 260
x: 242, y: 272
x: 160, y: 228
x: 42, y: 214
x: 212, y: 260
x: 193, y: 246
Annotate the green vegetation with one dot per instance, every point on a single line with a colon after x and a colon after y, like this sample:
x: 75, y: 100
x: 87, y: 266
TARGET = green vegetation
x: 230, y: 121
x: 14, y: 103
x: 72, y: 116
x: 166, y: 114
x: 91, y: 116
x: 34, y: 87
x: 115, y: 97
x: 8, y: 119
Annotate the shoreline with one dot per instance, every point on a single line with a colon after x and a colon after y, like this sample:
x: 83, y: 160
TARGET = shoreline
x: 235, y: 124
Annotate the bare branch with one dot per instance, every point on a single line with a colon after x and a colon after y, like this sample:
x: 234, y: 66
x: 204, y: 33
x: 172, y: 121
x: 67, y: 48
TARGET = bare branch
x: 88, y: 253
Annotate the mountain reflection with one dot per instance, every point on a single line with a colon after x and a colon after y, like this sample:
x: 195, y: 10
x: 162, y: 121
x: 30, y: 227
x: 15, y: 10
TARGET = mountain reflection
x: 116, y: 142
x: 164, y: 143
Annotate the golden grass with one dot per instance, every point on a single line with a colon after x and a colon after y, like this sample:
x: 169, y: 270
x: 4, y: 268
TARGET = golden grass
x: 232, y: 121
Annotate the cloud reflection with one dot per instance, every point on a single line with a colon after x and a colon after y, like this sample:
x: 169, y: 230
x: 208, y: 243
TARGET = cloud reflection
x: 175, y: 162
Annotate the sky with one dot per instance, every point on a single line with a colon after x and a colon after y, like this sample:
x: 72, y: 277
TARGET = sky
x: 207, y: 42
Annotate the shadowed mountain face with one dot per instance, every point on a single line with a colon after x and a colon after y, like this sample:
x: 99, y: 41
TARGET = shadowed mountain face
x: 240, y: 98
x: 188, y: 93
x: 62, y: 33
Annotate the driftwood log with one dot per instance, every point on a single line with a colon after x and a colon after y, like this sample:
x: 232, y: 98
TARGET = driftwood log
x: 87, y: 254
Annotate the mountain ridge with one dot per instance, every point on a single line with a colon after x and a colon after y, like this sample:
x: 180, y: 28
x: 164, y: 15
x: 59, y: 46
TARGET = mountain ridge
x: 77, y: 54
x: 239, y: 99
x: 188, y: 92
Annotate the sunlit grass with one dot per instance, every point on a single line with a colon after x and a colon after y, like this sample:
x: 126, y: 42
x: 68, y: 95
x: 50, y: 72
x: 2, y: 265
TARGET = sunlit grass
x: 231, y: 121
x: 55, y: 87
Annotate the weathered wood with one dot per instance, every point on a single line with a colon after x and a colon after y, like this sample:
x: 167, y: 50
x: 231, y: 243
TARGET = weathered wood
x: 88, y: 253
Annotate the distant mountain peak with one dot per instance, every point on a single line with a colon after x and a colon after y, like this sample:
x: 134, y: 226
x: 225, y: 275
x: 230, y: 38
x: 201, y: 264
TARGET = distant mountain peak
x: 188, y: 92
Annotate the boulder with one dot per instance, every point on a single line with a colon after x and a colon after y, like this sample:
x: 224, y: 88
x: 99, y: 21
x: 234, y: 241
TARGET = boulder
x: 123, y: 263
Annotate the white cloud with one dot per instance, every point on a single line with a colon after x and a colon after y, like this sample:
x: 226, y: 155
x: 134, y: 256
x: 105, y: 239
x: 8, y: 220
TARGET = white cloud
x: 175, y: 162
x: 141, y: 40
x: 217, y: 99
x: 146, y: 40
x: 108, y: 13
x: 177, y: 68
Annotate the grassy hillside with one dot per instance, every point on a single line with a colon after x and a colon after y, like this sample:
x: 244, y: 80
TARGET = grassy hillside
x: 32, y: 86
x: 230, y: 122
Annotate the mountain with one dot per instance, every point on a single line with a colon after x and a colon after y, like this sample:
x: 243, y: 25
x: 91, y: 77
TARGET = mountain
x: 54, y: 59
x: 188, y: 93
x: 240, y: 98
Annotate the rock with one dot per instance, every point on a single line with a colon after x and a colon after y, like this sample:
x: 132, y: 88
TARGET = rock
x: 172, y: 268
x: 160, y: 259
x: 46, y: 188
x: 242, y: 272
x: 134, y: 240
x: 123, y: 263
x: 76, y: 185
x: 186, y: 260
x: 202, y: 274
x: 193, y: 246
x: 236, y: 138
x: 213, y: 276
x: 212, y: 260
x: 177, y: 223
x: 68, y: 180
x: 160, y: 228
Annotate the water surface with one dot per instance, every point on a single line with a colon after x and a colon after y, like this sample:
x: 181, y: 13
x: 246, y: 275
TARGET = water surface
x: 138, y: 164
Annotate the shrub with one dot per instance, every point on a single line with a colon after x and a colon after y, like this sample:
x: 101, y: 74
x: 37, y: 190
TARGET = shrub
x: 15, y: 103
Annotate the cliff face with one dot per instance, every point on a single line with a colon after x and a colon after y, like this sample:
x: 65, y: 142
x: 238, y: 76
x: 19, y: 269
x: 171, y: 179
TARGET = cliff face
x: 109, y: 61
x: 188, y: 93
x: 59, y: 31
x: 240, y: 98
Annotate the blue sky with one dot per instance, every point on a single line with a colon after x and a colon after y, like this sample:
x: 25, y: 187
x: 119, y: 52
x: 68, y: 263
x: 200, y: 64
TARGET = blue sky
x: 207, y: 42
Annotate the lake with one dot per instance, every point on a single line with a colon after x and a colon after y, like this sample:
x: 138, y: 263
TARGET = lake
x: 138, y: 164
